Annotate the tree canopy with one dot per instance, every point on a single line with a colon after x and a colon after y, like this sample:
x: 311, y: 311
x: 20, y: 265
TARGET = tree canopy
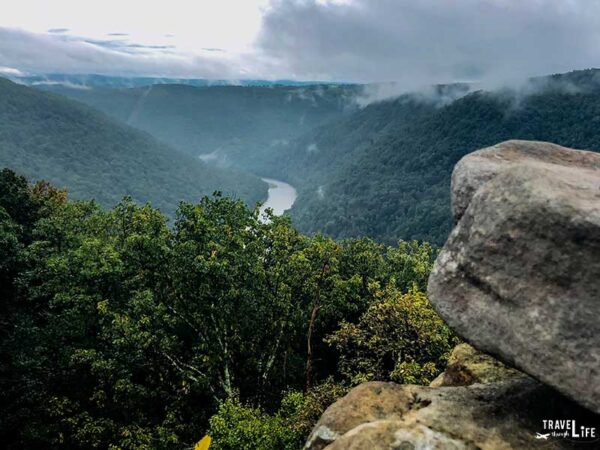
x: 119, y: 331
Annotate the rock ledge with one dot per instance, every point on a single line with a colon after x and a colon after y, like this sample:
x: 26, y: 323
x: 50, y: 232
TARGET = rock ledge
x: 519, y: 277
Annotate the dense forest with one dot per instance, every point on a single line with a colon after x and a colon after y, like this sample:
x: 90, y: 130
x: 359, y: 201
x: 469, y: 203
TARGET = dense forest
x: 239, y: 126
x: 382, y: 170
x: 385, y: 170
x: 44, y: 135
x: 118, y: 331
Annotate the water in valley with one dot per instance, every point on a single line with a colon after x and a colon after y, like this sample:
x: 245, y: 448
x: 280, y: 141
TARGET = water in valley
x: 280, y: 198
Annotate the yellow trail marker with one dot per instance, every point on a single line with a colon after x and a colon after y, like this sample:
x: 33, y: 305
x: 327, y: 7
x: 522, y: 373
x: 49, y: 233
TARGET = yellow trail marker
x: 203, y: 444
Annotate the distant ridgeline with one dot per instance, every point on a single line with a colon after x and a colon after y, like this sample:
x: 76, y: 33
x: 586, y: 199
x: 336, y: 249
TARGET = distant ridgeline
x: 47, y: 136
x: 88, y: 81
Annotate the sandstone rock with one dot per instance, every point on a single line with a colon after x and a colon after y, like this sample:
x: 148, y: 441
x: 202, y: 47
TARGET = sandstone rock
x: 467, y: 366
x: 479, y: 167
x: 366, y: 403
x: 395, y: 435
x: 519, y: 277
x: 501, y: 415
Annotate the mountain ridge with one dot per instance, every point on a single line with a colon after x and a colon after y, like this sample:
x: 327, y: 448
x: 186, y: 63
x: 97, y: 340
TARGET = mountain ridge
x: 46, y: 136
x: 396, y: 185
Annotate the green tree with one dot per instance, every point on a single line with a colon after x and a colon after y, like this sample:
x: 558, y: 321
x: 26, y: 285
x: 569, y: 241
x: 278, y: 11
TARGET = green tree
x: 400, y: 338
x: 410, y: 264
x: 119, y: 331
x: 228, y: 298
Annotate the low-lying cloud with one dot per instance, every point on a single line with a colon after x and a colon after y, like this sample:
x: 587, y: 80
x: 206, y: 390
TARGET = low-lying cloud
x: 10, y: 72
x: 423, y: 42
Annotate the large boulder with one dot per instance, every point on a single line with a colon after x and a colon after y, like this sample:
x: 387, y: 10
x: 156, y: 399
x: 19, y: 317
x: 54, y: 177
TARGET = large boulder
x: 505, y: 414
x: 367, y: 403
x: 519, y: 276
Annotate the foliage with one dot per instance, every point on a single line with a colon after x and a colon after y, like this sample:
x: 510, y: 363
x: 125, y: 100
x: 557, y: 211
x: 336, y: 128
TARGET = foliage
x: 305, y: 408
x: 400, y: 338
x: 121, y: 332
x: 238, y: 427
x: 411, y: 263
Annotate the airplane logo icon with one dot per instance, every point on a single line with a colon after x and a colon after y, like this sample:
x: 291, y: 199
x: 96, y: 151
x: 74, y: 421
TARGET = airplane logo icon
x: 542, y: 436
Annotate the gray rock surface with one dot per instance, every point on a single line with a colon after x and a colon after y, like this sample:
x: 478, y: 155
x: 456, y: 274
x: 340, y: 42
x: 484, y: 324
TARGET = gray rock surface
x: 479, y: 167
x: 519, y: 277
x: 502, y: 415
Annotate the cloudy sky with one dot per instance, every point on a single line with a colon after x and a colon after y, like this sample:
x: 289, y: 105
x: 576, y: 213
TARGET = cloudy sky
x: 413, y: 42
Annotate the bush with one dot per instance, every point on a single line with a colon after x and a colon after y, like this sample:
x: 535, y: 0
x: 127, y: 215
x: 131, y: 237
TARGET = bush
x: 239, y: 427
x: 399, y: 338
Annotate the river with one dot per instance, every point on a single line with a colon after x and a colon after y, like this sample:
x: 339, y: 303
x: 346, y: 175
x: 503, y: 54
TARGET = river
x: 281, y: 196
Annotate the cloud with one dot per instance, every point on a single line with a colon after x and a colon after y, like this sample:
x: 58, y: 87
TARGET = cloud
x: 413, y: 43
x: 10, y: 72
x: 422, y: 42
x: 312, y: 148
x: 436, y: 94
x: 53, y: 53
x: 62, y: 83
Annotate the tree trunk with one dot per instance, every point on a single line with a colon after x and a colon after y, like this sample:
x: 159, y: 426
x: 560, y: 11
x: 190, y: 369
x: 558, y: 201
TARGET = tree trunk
x: 311, y: 327
x: 309, y: 352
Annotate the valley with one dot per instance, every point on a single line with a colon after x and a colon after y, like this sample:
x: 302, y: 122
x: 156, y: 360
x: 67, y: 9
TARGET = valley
x: 380, y: 169
x: 48, y: 136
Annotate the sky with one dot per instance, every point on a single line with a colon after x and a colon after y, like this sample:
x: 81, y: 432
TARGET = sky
x: 410, y: 42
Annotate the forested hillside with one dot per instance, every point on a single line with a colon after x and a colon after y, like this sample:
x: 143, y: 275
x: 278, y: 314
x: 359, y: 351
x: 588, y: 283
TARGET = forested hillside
x: 47, y: 136
x: 382, y: 170
x: 241, y: 126
x: 385, y: 171
x: 117, y: 331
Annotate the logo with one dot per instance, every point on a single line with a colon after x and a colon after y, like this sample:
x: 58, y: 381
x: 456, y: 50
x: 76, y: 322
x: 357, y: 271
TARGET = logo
x: 567, y: 429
